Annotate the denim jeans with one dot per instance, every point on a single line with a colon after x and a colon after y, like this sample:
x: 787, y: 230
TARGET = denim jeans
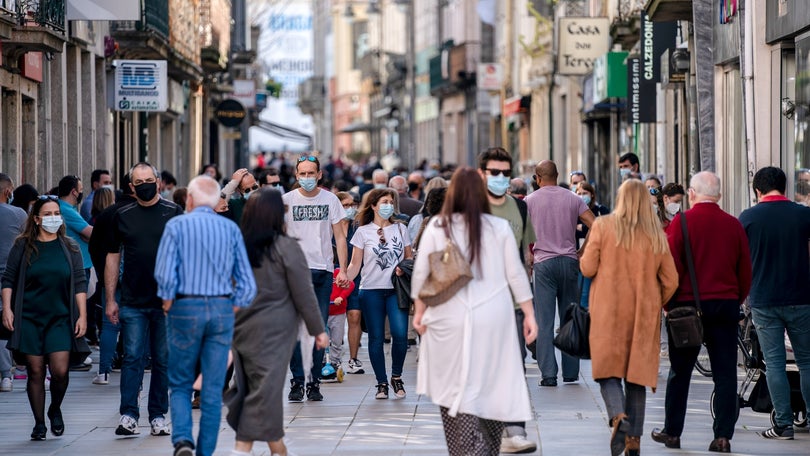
x: 198, y: 329
x: 142, y: 328
x: 720, y: 325
x: 771, y: 324
x: 5, y: 360
x: 108, y: 340
x: 375, y: 306
x: 629, y: 399
x: 555, y: 288
x: 322, y: 282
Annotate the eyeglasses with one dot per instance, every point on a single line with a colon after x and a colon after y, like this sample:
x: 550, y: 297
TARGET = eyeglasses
x: 252, y: 189
x: 382, y: 236
x: 48, y: 197
x: 498, y: 172
x: 307, y: 157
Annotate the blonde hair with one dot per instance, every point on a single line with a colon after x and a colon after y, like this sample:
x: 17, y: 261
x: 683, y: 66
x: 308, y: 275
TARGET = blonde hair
x: 634, y: 218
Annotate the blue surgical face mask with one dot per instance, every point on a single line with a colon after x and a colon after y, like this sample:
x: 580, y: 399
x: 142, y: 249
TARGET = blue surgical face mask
x: 385, y: 210
x: 351, y: 213
x: 586, y: 199
x: 11, y: 198
x: 307, y: 183
x: 380, y: 186
x: 247, y: 194
x: 497, y: 185
x: 624, y: 172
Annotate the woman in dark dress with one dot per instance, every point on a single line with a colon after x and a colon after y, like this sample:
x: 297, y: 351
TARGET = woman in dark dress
x: 44, y: 290
x: 266, y: 332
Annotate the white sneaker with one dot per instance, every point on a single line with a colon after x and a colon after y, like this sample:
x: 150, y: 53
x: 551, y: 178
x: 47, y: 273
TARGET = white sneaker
x: 159, y: 426
x: 355, y: 367
x: 48, y: 383
x: 517, y: 444
x: 101, y: 379
x: 6, y: 385
x: 127, y: 425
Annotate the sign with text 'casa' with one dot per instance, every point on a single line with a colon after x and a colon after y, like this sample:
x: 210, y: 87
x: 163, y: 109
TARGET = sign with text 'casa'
x: 141, y: 85
x: 581, y: 41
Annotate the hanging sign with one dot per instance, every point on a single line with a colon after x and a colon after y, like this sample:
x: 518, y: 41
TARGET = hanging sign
x: 141, y: 85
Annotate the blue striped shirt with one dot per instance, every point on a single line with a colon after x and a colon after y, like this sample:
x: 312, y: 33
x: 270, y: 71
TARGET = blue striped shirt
x: 203, y: 253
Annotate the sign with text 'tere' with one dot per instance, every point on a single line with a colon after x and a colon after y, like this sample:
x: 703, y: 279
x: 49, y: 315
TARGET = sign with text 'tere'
x: 582, y: 40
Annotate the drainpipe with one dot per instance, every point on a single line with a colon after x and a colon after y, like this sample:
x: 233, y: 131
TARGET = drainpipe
x: 747, y: 42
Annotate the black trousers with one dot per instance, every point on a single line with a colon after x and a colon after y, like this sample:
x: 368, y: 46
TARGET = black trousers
x: 720, y: 325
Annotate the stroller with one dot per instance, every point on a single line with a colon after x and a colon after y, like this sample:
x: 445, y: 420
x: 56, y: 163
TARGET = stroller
x: 753, y: 390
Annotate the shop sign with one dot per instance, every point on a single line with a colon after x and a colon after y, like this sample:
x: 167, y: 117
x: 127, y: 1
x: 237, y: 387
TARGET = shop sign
x: 31, y: 66
x: 141, y: 85
x: 610, y: 76
x: 511, y: 106
x: 103, y: 10
x: 640, y: 95
x: 581, y: 41
x: 244, y: 91
x: 230, y: 113
x: 656, y: 37
x: 490, y: 76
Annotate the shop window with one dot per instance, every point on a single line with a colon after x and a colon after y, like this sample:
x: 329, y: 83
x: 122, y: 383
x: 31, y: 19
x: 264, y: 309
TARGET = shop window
x: 733, y: 159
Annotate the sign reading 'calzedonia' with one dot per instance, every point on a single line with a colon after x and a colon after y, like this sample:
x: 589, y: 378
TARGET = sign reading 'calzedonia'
x: 582, y: 40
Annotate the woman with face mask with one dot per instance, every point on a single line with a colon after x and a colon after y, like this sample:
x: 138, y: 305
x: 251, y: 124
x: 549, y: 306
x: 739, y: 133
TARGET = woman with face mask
x: 44, y: 290
x: 380, y: 244
x: 673, y: 195
x: 587, y: 192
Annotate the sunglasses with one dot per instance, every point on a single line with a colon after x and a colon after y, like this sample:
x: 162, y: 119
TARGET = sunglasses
x: 498, y: 172
x: 252, y: 189
x: 307, y: 157
x: 48, y: 197
x: 382, y: 236
x: 654, y: 191
x: 576, y: 173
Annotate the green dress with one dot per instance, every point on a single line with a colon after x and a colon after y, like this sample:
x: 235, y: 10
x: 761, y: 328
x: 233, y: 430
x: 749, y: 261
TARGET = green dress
x: 46, y: 326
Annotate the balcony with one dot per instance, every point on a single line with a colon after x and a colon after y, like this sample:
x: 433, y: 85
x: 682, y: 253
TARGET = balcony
x: 213, y: 61
x: 626, y: 25
x: 147, y: 38
x: 31, y: 26
x: 669, y: 10
x: 454, y: 69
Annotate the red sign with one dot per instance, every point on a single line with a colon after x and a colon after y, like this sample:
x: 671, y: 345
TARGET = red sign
x: 31, y: 66
x: 511, y: 106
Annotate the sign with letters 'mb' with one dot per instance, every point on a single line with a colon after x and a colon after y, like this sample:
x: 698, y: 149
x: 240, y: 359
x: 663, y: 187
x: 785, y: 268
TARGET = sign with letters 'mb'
x: 582, y: 40
x: 141, y: 85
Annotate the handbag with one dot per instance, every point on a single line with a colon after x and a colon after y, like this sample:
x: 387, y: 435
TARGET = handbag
x: 449, y: 273
x: 684, y: 323
x: 573, y: 338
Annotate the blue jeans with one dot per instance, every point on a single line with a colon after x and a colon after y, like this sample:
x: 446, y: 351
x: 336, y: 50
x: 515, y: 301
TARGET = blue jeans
x: 322, y: 282
x: 198, y: 329
x: 771, y: 323
x: 555, y: 288
x: 142, y: 328
x: 108, y: 339
x: 375, y: 305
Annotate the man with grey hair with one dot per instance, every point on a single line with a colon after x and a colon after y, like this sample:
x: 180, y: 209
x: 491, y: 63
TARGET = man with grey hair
x: 722, y: 264
x: 203, y: 276
x: 379, y: 178
x: 407, y: 205
x: 12, y: 223
x: 136, y: 231
x: 518, y: 188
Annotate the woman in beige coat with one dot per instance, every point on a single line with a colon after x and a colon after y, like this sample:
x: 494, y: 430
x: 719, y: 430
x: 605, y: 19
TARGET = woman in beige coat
x: 633, y: 276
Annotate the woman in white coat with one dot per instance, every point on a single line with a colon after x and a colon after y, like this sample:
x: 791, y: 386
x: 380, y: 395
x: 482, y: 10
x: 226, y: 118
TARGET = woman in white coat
x: 475, y: 398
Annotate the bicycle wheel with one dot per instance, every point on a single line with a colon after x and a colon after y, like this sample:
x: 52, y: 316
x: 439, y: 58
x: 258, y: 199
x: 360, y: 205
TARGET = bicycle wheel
x: 702, y: 364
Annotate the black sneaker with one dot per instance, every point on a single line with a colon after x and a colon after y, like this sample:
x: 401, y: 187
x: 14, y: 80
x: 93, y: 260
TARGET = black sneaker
x: 398, y: 387
x: 296, y: 392
x: 314, y: 392
x: 779, y: 433
x: 382, y: 391
x: 183, y: 448
x: 116, y: 364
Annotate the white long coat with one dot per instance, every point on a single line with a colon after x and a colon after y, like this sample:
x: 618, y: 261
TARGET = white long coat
x: 469, y: 358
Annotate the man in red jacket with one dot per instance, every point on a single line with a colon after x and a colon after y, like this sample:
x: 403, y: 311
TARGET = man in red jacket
x: 722, y: 263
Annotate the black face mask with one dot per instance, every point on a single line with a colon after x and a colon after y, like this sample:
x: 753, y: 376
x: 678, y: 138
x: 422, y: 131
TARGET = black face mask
x: 146, y: 191
x: 79, y: 198
x: 413, y: 186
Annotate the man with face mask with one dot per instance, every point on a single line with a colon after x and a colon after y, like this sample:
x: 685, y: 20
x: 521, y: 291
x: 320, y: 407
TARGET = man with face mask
x: 136, y: 231
x: 237, y: 192
x: 407, y: 205
x: 495, y: 168
x: 313, y: 217
x: 70, y: 197
x: 12, y: 223
x: 628, y: 165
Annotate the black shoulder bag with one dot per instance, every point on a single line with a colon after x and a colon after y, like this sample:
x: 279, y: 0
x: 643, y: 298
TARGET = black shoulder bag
x: 684, y: 323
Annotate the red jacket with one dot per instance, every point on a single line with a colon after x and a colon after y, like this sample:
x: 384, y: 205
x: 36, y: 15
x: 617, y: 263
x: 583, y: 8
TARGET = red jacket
x: 339, y: 292
x: 720, y: 251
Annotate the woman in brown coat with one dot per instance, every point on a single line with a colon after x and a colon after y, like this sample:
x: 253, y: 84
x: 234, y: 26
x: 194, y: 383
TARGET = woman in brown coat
x: 633, y: 276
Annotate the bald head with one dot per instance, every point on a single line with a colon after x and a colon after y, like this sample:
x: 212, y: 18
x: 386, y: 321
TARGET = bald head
x: 399, y: 184
x: 546, y: 172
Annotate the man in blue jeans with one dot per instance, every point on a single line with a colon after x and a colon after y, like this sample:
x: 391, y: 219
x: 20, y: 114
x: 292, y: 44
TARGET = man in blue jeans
x: 203, y: 277
x: 778, y: 233
x: 136, y: 231
x: 555, y: 213
x: 313, y: 217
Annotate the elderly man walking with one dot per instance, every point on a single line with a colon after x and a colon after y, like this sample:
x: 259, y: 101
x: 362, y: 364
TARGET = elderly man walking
x: 203, y: 277
x: 722, y: 266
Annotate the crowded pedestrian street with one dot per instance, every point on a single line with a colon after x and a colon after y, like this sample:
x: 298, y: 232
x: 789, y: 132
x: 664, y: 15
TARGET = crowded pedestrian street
x: 570, y: 421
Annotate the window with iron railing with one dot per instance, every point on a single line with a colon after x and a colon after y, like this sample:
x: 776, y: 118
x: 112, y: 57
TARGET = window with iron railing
x: 43, y: 13
x: 630, y: 8
x: 154, y: 17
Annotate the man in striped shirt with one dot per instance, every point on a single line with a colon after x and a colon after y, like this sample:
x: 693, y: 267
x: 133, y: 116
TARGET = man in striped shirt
x: 203, y: 277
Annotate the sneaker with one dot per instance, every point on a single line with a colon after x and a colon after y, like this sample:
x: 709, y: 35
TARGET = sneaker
x: 779, y: 433
x: 314, y: 392
x: 127, y: 425
x: 81, y: 367
x: 517, y: 444
x: 296, y: 392
x: 382, y: 391
x: 355, y: 367
x: 159, y: 426
x: 398, y: 387
x: 48, y: 383
x: 195, y: 401
x: 183, y: 448
x: 101, y: 379
x: 6, y: 385
x: 20, y: 374
x: 116, y: 364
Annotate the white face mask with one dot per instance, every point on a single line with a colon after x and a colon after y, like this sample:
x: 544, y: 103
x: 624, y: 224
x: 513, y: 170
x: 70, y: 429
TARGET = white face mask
x: 51, y: 223
x: 673, y: 208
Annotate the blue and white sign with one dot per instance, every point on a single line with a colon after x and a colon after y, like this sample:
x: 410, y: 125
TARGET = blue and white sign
x: 141, y: 85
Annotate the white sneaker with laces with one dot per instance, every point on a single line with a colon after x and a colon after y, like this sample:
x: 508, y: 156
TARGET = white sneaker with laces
x: 159, y: 426
x: 355, y: 367
x: 101, y: 379
x: 517, y: 444
x: 127, y: 425
x: 6, y: 385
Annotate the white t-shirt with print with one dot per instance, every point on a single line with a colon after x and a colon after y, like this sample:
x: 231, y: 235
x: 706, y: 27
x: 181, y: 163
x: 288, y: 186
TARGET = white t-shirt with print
x: 380, y: 260
x: 310, y: 221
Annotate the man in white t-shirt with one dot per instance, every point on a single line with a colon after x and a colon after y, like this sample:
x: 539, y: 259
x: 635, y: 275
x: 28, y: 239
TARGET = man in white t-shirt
x: 313, y: 217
